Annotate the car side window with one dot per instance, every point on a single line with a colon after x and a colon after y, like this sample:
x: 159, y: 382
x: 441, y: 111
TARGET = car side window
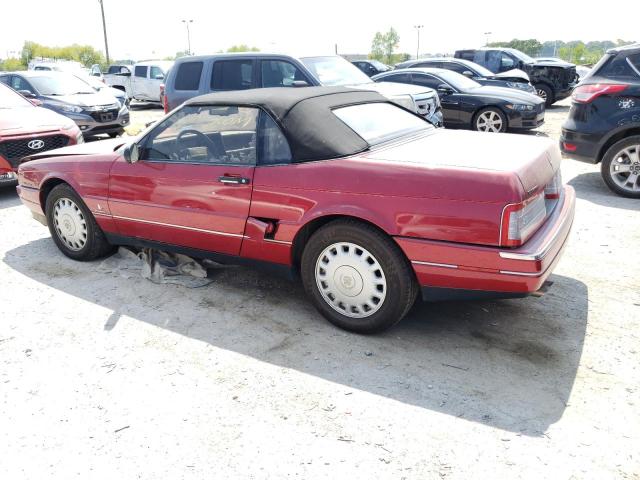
x: 188, y: 76
x: 279, y: 73
x: 232, y: 75
x: 155, y: 73
x: 426, y: 81
x: 398, y: 78
x: 273, y: 146
x: 219, y: 135
x: 19, y: 83
x: 5, y: 79
x: 456, y: 67
x: 622, y: 67
x: 493, y: 60
x: 506, y: 62
x: 141, y: 71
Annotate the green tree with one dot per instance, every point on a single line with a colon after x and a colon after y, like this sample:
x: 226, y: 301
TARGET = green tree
x: 11, y: 65
x: 242, y: 48
x: 530, y: 47
x: 384, y: 45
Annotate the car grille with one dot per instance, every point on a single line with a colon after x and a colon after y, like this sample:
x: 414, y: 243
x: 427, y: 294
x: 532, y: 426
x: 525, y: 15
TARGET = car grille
x: 15, y: 150
x: 105, y: 116
x: 572, y: 76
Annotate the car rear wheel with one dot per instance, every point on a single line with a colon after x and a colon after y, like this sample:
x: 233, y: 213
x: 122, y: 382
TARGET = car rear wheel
x: 621, y: 167
x: 72, y: 226
x: 490, y: 120
x: 357, y: 277
x: 545, y: 93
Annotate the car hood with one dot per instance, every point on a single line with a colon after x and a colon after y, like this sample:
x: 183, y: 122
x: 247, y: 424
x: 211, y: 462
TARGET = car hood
x: 29, y: 119
x: 84, y: 99
x: 507, y: 94
x: 546, y: 63
x: 391, y: 88
x: 91, y: 148
x: 533, y: 160
x: 514, y: 73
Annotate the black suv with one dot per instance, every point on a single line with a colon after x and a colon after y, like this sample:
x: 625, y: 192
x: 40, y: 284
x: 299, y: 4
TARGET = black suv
x: 604, y: 120
x: 371, y: 67
x: 553, y: 81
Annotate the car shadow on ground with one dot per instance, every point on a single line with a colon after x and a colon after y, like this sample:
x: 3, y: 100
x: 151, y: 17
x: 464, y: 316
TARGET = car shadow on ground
x: 558, y: 108
x: 508, y: 364
x: 591, y: 187
x: 136, y: 105
x: 8, y: 196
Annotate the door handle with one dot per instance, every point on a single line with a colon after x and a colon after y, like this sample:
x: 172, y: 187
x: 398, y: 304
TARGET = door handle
x: 233, y: 180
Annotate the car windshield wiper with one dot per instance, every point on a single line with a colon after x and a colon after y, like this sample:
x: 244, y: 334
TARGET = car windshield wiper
x: 83, y: 93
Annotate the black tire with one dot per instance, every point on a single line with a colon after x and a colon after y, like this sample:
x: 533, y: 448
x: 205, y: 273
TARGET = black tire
x: 401, y: 286
x: 116, y: 134
x: 615, y: 151
x: 546, y: 93
x: 492, y: 111
x: 96, y: 244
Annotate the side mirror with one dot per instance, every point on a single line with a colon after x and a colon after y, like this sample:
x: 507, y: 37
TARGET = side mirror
x: 35, y: 101
x: 131, y: 153
x: 468, y: 73
x: 299, y: 83
x: 124, y: 74
x: 159, y: 77
x: 444, y: 89
x: 27, y: 93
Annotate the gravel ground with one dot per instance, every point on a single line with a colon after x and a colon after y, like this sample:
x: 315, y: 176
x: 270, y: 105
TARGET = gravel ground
x: 111, y: 377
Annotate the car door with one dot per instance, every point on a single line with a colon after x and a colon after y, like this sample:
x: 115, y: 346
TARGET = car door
x: 450, y: 102
x: 156, y: 77
x: 192, y: 185
x: 140, y: 81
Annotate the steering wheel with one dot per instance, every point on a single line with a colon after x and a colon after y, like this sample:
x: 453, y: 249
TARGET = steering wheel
x: 214, y: 149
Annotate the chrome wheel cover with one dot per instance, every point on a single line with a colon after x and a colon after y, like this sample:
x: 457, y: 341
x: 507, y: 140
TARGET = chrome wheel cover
x: 624, y: 169
x: 489, y: 121
x: 542, y: 94
x: 70, y: 224
x: 351, y: 280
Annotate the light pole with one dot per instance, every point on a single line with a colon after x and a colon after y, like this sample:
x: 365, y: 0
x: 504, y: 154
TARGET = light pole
x: 486, y: 43
x: 187, y: 22
x: 418, y: 27
x: 104, y: 29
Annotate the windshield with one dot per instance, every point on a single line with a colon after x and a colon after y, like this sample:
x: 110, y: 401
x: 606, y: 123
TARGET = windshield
x: 334, y: 70
x: 11, y: 99
x: 380, y: 65
x: 60, y: 84
x: 91, y: 81
x: 457, y: 80
x: 380, y: 122
x: 520, y: 56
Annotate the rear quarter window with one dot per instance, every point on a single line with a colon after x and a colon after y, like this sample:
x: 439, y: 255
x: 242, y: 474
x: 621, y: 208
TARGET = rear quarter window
x: 621, y: 67
x: 188, y: 76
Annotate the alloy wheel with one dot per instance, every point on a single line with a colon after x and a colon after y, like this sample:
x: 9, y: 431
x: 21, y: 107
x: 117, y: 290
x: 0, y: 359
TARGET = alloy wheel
x: 625, y: 169
x: 351, y: 280
x: 70, y: 224
x: 489, y: 121
x: 541, y: 93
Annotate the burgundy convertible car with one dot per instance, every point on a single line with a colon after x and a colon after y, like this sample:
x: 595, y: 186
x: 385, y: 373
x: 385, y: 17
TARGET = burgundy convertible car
x: 366, y: 201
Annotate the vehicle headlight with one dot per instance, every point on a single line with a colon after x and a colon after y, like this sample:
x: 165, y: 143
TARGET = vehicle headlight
x: 520, y: 86
x: 405, y: 101
x: 65, y: 108
x: 518, y: 107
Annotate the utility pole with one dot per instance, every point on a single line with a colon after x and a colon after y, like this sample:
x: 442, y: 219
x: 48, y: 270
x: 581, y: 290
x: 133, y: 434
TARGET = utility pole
x: 104, y: 28
x: 187, y: 22
x: 486, y: 43
x: 418, y: 27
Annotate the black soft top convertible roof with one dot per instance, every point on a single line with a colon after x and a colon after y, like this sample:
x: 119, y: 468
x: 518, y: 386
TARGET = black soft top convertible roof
x: 305, y: 117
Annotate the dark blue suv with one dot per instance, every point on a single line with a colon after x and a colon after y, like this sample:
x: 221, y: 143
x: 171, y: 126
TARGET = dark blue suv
x: 604, y: 120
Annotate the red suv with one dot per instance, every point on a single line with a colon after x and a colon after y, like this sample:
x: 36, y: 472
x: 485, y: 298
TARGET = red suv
x: 26, y: 129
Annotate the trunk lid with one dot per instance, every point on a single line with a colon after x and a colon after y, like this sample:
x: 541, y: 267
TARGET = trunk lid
x: 534, y: 160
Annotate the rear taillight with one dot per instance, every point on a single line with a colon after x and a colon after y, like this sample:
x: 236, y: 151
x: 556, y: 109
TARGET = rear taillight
x: 588, y: 93
x: 521, y: 220
x: 553, y: 189
x: 165, y: 103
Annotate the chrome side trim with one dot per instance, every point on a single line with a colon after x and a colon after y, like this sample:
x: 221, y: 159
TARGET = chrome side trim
x: 101, y: 214
x: 283, y: 242
x: 432, y: 264
x: 182, y: 227
x: 521, y: 274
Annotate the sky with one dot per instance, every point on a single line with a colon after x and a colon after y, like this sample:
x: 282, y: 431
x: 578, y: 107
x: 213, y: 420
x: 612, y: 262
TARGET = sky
x: 145, y: 29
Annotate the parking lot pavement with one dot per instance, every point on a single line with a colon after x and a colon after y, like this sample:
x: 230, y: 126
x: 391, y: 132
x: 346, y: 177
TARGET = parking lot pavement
x: 112, y: 377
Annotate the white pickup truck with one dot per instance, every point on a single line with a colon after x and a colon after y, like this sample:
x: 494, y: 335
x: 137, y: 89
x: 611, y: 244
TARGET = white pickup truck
x: 141, y: 81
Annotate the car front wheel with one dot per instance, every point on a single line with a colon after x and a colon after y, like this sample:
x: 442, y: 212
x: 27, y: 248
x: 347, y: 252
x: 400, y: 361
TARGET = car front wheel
x: 72, y: 226
x: 545, y: 93
x: 490, y: 120
x: 621, y: 167
x: 357, y: 277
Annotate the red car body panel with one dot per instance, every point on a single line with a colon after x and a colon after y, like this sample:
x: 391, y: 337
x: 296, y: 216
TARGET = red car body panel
x: 445, y: 215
